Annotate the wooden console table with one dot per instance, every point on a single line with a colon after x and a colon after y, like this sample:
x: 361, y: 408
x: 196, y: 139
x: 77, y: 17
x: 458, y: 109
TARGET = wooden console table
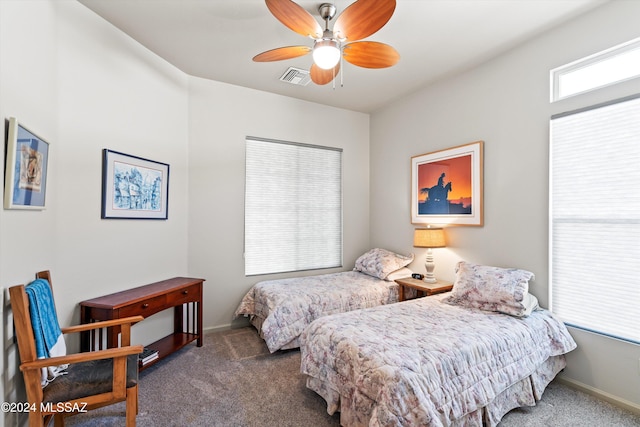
x: 184, y: 294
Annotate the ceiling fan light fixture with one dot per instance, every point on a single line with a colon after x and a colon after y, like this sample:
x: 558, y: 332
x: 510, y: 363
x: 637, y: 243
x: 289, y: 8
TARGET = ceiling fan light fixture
x: 326, y: 53
x: 358, y: 21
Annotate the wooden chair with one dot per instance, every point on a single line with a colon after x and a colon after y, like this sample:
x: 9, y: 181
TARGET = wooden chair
x: 93, y: 379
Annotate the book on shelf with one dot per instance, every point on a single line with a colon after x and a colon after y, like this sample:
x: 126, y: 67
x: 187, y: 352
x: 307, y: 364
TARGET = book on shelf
x: 150, y: 359
x: 147, y: 355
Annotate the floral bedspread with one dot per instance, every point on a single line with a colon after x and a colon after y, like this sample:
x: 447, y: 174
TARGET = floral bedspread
x: 287, y: 306
x: 423, y: 362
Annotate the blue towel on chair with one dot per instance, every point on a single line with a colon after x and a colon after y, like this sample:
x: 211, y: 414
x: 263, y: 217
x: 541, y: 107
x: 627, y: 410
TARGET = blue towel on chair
x: 46, y: 329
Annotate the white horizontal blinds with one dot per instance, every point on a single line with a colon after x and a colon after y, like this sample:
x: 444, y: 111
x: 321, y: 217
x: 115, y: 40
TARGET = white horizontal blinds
x: 595, y: 218
x: 293, y: 207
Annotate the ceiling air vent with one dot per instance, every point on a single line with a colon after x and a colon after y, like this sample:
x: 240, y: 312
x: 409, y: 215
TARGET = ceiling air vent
x: 296, y: 76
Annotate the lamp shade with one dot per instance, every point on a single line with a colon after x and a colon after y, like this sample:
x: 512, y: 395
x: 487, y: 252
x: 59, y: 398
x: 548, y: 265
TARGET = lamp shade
x: 428, y: 238
x: 326, y: 53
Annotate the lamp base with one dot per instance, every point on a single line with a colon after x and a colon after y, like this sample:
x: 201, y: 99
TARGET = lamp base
x: 429, y: 266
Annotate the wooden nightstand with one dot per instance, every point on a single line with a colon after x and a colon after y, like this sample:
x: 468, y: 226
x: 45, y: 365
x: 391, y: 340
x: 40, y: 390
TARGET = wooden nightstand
x: 427, y: 289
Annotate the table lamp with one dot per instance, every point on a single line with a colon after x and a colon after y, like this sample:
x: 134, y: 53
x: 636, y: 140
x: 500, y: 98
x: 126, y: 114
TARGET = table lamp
x: 429, y: 238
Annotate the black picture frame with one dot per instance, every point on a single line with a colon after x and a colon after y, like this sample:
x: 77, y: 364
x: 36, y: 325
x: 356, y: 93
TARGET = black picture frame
x: 133, y: 187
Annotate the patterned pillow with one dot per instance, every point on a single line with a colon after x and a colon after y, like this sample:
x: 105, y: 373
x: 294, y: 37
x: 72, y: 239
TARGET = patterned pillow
x: 491, y: 288
x: 380, y: 262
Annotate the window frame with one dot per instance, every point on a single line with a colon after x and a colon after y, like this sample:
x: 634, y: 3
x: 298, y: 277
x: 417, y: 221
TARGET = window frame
x: 597, y: 58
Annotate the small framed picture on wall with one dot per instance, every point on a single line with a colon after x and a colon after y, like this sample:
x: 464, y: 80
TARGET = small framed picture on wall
x: 27, y: 157
x: 133, y: 187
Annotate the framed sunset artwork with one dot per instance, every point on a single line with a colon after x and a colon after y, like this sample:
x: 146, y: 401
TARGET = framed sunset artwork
x: 446, y: 186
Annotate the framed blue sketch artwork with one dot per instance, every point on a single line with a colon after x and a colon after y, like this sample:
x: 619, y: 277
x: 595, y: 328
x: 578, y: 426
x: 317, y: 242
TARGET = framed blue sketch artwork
x: 133, y: 187
x: 25, y: 168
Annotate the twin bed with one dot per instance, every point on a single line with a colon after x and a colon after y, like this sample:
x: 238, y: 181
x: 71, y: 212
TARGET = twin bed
x: 463, y: 358
x: 281, y: 309
x: 427, y: 363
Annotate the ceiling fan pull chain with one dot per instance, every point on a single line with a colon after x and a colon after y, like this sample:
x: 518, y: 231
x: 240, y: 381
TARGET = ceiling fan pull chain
x: 333, y: 81
x: 341, y: 70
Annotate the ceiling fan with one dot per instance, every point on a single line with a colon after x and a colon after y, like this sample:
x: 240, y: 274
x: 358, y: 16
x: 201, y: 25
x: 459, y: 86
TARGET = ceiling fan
x: 358, y: 21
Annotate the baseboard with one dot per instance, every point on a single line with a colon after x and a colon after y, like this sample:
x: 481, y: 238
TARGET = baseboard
x: 239, y: 322
x: 216, y: 328
x: 614, y: 400
x: 235, y: 325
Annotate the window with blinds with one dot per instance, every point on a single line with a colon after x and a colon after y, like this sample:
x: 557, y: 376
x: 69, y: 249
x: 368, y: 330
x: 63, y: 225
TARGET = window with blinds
x: 293, y: 207
x: 595, y: 218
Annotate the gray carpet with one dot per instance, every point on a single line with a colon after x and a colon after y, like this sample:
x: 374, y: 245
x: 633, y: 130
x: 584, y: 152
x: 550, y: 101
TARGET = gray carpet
x: 233, y: 381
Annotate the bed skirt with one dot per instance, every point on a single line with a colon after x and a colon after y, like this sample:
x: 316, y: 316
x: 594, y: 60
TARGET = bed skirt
x: 257, y: 322
x: 525, y: 392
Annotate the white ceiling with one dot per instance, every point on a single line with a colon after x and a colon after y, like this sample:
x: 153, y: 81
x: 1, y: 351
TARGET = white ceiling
x: 217, y: 39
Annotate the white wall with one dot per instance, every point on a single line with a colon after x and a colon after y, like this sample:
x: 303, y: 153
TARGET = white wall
x: 221, y: 116
x: 504, y: 102
x: 91, y: 88
x: 82, y: 85
x: 20, y: 86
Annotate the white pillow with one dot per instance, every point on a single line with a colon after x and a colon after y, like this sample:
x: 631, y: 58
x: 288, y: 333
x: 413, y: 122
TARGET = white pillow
x: 530, y: 303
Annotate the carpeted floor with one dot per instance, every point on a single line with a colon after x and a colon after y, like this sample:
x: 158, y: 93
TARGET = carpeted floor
x: 233, y: 381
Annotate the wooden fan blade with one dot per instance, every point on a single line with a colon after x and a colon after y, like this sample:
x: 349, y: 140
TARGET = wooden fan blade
x: 295, y: 17
x: 363, y: 18
x: 321, y: 76
x: 282, y: 53
x: 370, y: 54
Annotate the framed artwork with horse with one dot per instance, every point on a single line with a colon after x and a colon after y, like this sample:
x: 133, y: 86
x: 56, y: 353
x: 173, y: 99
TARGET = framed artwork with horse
x: 446, y: 186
